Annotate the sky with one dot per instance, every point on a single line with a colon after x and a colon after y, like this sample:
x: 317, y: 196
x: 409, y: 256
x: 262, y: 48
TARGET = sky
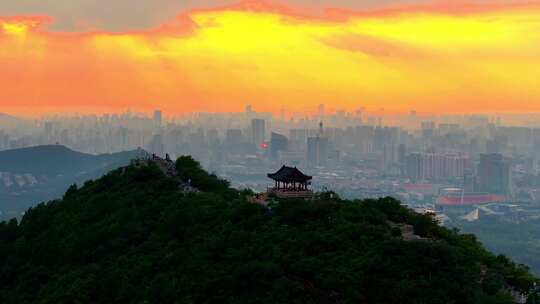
x: 214, y: 56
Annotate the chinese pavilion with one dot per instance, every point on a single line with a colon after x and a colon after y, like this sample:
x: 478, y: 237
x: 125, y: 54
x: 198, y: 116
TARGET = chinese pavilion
x: 290, y: 183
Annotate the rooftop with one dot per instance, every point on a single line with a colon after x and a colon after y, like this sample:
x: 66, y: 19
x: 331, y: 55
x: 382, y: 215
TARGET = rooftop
x: 289, y: 175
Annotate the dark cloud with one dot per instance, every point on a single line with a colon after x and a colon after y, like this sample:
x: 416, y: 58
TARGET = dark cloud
x: 121, y: 15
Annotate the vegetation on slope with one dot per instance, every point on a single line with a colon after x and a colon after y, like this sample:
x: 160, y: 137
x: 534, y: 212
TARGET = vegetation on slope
x: 132, y: 237
x: 499, y: 235
x: 47, y: 171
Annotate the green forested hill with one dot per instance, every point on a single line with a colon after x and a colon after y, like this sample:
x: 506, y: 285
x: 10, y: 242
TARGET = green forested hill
x: 36, y: 174
x: 56, y: 160
x: 132, y: 237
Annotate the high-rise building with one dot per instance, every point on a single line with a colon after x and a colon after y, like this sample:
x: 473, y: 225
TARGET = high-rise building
x: 436, y: 167
x: 278, y: 143
x: 258, y: 131
x: 317, y: 150
x: 384, y: 137
x: 158, y: 118
x: 469, y: 181
x: 364, y: 138
x: 414, y: 167
x: 494, y: 174
x: 233, y: 136
x: 389, y: 157
x: 402, y: 159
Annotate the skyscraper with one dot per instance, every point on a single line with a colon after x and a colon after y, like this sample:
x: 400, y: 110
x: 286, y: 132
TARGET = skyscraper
x: 402, y: 159
x: 415, y: 167
x: 278, y: 143
x: 494, y: 174
x: 317, y: 148
x: 469, y: 181
x: 258, y: 131
x: 158, y: 118
x: 317, y: 151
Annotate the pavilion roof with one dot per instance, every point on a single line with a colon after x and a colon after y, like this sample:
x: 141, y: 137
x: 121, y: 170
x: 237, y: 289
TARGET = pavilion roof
x: 289, y: 175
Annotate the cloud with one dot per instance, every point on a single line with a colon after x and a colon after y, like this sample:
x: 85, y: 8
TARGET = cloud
x: 126, y: 15
x: 371, y: 46
x: 433, y: 58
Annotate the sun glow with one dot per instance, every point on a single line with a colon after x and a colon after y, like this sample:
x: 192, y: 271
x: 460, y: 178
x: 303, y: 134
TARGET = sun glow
x: 430, y: 59
x: 16, y: 29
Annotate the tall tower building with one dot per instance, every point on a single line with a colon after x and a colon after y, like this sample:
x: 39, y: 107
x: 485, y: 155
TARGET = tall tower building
x: 494, y: 174
x: 158, y: 118
x: 278, y: 143
x: 318, y: 148
x: 402, y: 159
x: 258, y: 131
x: 415, y: 167
x: 469, y: 181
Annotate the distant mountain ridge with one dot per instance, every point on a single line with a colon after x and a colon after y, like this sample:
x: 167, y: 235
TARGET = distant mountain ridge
x: 35, y: 174
x: 8, y: 118
x: 56, y: 159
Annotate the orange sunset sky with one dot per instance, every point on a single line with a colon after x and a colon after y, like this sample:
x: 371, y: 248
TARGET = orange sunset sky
x: 431, y: 57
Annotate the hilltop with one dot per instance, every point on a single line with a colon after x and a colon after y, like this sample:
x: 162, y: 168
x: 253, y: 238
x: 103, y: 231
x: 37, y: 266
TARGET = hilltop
x: 42, y: 173
x: 57, y: 159
x: 134, y: 236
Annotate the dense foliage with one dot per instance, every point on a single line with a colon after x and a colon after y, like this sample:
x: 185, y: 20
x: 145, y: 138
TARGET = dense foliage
x: 132, y: 237
x: 498, y: 233
x: 190, y: 171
